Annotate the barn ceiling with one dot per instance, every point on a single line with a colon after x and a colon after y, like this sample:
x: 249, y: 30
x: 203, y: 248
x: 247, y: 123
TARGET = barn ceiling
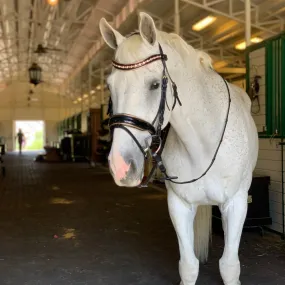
x: 70, y: 35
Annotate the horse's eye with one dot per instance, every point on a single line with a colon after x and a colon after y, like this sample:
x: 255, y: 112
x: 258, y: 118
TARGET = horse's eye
x: 154, y: 85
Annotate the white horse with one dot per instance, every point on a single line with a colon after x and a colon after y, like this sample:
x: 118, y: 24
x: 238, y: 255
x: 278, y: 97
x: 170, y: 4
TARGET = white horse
x: 195, y: 133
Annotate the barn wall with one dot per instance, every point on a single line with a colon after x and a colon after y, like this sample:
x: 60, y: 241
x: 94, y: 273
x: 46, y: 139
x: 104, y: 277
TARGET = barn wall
x: 7, y: 117
x: 269, y: 159
x: 47, y: 106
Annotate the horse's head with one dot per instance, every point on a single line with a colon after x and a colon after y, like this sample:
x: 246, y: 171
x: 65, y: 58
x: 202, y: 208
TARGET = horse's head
x: 136, y: 92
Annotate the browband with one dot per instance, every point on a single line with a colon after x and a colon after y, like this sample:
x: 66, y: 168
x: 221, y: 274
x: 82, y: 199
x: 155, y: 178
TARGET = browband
x: 138, y: 64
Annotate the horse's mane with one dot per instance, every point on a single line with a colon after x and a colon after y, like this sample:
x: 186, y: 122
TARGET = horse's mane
x: 181, y: 46
x: 132, y: 46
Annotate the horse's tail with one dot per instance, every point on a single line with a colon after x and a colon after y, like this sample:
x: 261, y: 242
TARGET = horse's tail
x: 203, y: 232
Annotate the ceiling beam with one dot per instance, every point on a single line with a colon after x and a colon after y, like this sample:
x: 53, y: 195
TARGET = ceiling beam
x: 230, y: 15
x: 239, y: 70
x: 126, y: 11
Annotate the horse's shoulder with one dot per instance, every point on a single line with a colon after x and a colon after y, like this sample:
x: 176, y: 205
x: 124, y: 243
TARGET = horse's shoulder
x: 241, y: 95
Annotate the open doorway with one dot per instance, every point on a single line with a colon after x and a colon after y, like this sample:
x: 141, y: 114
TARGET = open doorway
x: 33, y: 135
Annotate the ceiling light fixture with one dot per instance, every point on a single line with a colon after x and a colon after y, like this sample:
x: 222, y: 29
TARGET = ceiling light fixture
x: 35, y: 73
x: 202, y: 24
x: 52, y: 2
x: 242, y: 45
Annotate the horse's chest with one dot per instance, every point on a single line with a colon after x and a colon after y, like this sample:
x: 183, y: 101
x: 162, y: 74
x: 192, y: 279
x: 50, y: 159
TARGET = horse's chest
x: 209, y: 190
x: 215, y: 187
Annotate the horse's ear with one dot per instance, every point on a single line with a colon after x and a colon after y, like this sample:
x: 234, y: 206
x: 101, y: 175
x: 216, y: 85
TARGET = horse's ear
x: 111, y: 37
x: 147, y: 28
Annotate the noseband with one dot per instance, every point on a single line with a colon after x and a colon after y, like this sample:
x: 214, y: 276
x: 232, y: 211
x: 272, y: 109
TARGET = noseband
x: 126, y: 121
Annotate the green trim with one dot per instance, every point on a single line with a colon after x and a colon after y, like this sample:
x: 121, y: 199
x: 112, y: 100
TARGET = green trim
x: 261, y: 136
x: 278, y: 85
x: 274, y: 84
x: 73, y: 122
x: 263, y: 43
x: 78, y: 121
x: 273, y: 91
x: 282, y: 78
x: 268, y: 87
x: 254, y: 47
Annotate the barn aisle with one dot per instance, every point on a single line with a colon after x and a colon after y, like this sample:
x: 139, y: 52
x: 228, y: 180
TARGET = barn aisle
x: 69, y: 224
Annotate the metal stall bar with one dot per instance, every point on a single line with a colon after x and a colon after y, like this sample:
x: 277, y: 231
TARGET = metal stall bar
x: 282, y: 83
x: 273, y: 71
x: 269, y: 83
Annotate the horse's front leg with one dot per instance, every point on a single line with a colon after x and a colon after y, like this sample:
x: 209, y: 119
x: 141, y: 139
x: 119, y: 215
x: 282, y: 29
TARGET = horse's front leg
x: 233, y: 215
x: 182, y: 216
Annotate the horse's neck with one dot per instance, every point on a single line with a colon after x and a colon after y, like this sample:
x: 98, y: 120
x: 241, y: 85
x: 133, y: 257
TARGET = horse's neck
x: 198, y: 123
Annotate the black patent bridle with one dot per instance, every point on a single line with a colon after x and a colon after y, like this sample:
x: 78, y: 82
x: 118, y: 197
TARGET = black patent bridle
x: 123, y: 120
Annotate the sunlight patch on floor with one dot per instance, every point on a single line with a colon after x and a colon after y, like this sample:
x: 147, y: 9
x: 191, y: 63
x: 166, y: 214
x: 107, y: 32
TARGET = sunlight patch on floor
x: 55, y: 188
x: 69, y: 234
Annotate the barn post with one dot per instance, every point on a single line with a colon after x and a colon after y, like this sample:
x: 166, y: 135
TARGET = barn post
x: 81, y: 91
x: 176, y: 17
x: 89, y: 83
x: 102, y: 79
x: 247, y: 4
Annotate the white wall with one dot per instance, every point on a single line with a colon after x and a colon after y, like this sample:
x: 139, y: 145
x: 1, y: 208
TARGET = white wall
x: 14, y: 106
x: 269, y: 159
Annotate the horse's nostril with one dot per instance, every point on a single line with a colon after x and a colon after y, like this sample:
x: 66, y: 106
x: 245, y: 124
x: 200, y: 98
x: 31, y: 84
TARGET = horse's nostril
x: 133, y: 167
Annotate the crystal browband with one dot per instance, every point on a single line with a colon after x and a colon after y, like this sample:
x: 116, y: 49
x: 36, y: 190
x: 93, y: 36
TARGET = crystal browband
x: 140, y: 63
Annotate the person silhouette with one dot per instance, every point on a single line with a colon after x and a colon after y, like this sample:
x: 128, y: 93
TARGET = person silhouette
x: 20, y: 137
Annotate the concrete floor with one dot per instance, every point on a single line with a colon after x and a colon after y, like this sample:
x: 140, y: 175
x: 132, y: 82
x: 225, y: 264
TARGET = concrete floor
x: 69, y: 224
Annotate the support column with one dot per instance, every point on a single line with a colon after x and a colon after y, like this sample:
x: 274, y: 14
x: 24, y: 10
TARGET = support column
x: 89, y: 84
x: 247, y: 4
x: 74, y: 109
x: 176, y: 17
x: 102, y: 79
x: 81, y: 92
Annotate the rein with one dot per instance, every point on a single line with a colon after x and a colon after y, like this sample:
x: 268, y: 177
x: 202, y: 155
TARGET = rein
x: 123, y: 121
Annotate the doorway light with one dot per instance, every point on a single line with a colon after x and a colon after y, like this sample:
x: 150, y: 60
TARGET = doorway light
x: 202, y: 24
x: 242, y: 45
